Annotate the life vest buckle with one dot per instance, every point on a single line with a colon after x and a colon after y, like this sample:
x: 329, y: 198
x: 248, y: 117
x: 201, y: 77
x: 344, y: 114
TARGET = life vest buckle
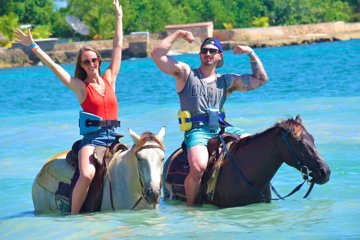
x: 89, y: 123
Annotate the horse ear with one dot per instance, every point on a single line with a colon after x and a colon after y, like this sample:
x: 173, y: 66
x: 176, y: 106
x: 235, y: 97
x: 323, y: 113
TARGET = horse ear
x: 298, y: 119
x: 134, y: 136
x: 161, y: 134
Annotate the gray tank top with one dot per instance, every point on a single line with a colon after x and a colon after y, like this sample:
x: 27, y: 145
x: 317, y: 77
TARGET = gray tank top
x: 197, y: 96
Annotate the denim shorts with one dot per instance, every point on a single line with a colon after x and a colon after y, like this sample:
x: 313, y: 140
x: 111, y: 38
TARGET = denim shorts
x: 202, y: 135
x: 103, y: 137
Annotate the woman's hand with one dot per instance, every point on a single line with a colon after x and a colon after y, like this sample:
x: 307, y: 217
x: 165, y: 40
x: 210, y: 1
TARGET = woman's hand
x: 24, y: 39
x: 118, y: 8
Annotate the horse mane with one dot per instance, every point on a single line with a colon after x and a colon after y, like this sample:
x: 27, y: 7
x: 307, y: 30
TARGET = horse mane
x: 146, y: 137
x: 294, y: 126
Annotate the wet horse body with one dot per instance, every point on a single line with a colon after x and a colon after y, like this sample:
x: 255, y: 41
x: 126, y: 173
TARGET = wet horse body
x: 244, y: 178
x: 132, y: 180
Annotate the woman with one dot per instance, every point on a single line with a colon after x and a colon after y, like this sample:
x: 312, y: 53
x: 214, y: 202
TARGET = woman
x: 96, y: 95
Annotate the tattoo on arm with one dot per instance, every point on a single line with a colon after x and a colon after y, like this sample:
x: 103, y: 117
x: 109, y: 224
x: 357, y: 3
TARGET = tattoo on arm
x: 246, y: 82
x: 257, y: 68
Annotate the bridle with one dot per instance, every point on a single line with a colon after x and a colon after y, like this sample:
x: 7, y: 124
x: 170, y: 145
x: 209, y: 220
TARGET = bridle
x: 143, y: 191
x: 143, y: 194
x: 305, y: 171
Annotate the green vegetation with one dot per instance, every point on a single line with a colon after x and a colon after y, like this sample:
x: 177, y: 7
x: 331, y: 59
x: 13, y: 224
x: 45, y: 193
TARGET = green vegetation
x: 154, y: 15
x: 7, y: 25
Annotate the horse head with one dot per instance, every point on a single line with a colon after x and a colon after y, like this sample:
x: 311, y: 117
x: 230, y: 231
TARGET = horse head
x: 304, y: 156
x: 149, y: 152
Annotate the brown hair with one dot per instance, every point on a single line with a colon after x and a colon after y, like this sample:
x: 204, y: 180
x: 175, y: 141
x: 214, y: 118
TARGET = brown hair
x: 79, y: 70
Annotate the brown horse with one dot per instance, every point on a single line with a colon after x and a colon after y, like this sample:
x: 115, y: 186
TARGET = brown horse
x: 249, y: 164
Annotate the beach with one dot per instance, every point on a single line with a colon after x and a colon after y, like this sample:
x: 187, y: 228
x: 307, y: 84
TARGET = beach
x: 39, y: 118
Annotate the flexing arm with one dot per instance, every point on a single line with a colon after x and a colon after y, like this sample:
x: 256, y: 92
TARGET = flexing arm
x: 247, y: 82
x: 114, y: 68
x: 166, y: 63
x: 60, y: 72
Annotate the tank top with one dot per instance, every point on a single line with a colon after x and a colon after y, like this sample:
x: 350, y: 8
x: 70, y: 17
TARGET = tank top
x: 104, y: 106
x: 197, y: 96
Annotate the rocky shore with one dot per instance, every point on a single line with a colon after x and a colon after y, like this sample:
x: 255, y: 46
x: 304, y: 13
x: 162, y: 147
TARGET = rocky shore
x: 137, y: 45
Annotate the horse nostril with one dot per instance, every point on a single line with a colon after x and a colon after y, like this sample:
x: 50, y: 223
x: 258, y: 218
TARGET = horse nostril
x: 153, y: 195
x: 324, y: 174
x: 149, y: 192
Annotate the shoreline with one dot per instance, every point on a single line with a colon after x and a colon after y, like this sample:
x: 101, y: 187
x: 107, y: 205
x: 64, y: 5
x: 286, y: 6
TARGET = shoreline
x: 139, y: 45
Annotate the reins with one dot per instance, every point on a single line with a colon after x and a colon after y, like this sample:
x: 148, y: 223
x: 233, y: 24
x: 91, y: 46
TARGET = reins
x: 305, y: 175
x: 236, y: 167
x: 143, y: 195
x: 233, y: 163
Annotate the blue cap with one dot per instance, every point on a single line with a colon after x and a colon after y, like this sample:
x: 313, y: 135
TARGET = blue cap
x: 216, y: 43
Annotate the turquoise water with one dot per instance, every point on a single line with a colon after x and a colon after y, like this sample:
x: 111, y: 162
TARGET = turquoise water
x: 38, y: 119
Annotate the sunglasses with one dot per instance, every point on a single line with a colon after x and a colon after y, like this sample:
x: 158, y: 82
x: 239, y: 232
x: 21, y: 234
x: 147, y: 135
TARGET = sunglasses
x: 210, y: 50
x: 87, y: 62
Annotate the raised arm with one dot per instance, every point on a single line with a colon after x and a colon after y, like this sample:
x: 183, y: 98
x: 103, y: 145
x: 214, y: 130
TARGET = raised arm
x: 247, y: 82
x: 114, y: 68
x: 60, y: 72
x: 168, y: 64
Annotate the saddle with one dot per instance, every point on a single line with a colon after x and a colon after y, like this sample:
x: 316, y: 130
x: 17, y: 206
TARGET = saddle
x: 179, y: 168
x: 102, y: 155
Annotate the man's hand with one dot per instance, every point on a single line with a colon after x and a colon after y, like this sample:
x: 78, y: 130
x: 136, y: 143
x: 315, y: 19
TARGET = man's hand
x: 187, y: 36
x: 242, y: 49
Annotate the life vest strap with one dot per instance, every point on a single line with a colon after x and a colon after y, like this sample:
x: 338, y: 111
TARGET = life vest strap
x: 204, y: 119
x: 102, y: 123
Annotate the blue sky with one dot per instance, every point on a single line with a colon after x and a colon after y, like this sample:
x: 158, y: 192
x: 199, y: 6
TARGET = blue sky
x: 60, y: 3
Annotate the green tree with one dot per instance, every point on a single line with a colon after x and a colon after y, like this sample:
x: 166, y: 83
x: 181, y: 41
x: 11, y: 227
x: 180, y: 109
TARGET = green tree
x: 188, y: 11
x: 150, y: 15
x: 41, y: 31
x: 38, y: 12
x: 7, y: 25
x: 336, y: 11
x: 246, y: 10
x: 220, y: 14
x: 59, y: 26
x: 29, y: 11
x: 307, y: 11
x: 98, y: 16
x: 154, y: 15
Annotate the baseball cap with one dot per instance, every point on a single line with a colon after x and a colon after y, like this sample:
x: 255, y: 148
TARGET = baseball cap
x: 216, y: 43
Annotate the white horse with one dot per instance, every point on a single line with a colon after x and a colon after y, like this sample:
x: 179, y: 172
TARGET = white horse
x: 132, y: 180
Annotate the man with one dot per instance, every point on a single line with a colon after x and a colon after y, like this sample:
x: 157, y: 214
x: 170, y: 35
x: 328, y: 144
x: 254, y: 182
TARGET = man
x: 202, y: 94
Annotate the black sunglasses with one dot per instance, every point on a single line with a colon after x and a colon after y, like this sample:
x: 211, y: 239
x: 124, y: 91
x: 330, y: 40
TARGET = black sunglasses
x: 87, y: 61
x: 210, y: 50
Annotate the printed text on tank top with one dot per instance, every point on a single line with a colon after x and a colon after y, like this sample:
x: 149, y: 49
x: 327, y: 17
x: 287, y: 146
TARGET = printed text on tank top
x: 208, y: 85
